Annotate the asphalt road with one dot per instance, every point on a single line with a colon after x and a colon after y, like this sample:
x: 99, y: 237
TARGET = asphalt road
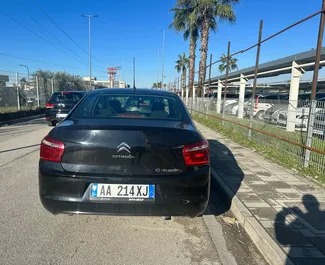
x: 31, y: 235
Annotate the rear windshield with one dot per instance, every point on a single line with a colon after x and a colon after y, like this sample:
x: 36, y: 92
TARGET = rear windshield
x: 128, y: 106
x: 66, y: 97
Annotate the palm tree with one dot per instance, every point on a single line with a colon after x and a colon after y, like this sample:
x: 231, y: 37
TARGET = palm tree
x: 232, y: 63
x: 210, y: 11
x: 185, y: 20
x: 181, y: 66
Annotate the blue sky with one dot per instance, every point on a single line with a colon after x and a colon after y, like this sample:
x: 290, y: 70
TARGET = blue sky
x: 127, y: 28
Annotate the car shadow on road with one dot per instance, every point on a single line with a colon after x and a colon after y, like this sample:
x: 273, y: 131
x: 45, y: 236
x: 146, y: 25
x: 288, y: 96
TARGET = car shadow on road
x: 225, y: 165
x: 305, y: 246
x: 18, y: 148
x: 31, y: 122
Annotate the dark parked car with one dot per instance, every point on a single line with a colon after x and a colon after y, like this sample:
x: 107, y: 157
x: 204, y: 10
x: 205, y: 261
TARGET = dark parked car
x: 60, y: 105
x: 125, y: 152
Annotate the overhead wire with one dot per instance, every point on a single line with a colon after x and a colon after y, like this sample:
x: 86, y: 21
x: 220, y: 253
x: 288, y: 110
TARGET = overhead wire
x: 60, y: 42
x: 37, y: 61
x: 39, y: 36
x: 66, y: 34
x: 263, y: 40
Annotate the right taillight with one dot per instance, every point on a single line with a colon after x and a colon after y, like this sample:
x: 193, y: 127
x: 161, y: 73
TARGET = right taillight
x: 51, y: 149
x: 197, y: 154
x: 49, y: 106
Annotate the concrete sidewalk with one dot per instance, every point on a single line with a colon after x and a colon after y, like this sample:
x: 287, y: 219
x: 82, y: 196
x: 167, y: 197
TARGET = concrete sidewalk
x: 283, y: 213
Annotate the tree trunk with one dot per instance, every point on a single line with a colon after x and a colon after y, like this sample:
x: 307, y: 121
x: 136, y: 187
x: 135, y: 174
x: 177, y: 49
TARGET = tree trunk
x: 182, y: 82
x: 184, y: 79
x: 192, y: 65
x: 204, y: 51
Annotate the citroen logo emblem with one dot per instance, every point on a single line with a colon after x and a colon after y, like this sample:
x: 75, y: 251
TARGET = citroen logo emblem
x: 123, y: 147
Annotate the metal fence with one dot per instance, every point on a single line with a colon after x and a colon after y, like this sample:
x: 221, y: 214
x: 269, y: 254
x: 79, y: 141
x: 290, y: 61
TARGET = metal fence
x: 27, y: 99
x: 279, y: 128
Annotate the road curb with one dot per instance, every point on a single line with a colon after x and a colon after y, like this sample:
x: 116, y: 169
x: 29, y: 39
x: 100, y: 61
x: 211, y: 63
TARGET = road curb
x: 271, y: 251
x: 4, y: 123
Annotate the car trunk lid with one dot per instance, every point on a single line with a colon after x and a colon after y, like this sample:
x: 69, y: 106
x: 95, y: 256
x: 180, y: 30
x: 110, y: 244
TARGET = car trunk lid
x: 125, y: 149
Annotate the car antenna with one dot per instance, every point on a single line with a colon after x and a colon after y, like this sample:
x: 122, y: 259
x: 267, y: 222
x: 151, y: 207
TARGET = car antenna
x: 134, y: 74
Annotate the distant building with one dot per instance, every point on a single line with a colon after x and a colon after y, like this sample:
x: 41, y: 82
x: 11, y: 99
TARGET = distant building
x: 86, y: 78
x: 106, y: 83
x: 119, y: 84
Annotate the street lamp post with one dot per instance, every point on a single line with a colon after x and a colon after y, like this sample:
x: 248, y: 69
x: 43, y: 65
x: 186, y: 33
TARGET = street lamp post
x: 163, y: 55
x: 27, y: 70
x: 89, y: 47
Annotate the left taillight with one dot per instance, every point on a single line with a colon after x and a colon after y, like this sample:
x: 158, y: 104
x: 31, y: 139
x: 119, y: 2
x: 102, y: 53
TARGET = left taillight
x: 197, y: 154
x: 49, y: 106
x: 51, y: 149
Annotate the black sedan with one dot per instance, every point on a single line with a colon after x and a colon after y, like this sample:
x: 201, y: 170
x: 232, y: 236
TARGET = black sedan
x: 126, y: 152
x: 60, y: 104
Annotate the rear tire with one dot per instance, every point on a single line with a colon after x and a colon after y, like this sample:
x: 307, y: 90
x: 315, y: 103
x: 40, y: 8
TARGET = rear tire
x: 52, y: 123
x: 259, y: 115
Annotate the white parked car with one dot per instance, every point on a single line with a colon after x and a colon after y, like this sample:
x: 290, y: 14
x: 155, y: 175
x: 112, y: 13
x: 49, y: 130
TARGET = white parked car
x: 319, y: 124
x: 262, y: 104
x: 302, y: 115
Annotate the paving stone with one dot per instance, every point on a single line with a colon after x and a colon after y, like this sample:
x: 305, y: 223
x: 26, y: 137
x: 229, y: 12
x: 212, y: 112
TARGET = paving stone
x: 256, y: 204
x: 269, y: 178
x: 266, y: 214
x: 255, y: 182
x: 263, y: 173
x: 310, y: 212
x: 307, y: 233
x: 272, y: 195
x: 291, y: 195
x: 251, y: 177
x: 288, y: 178
x: 303, y: 252
x: 287, y: 190
x: 297, y: 224
x: 304, y: 188
x: 260, y: 189
x: 287, y: 236
x: 279, y: 185
x: 271, y: 224
x: 318, y: 242
x: 279, y: 172
x: 249, y: 197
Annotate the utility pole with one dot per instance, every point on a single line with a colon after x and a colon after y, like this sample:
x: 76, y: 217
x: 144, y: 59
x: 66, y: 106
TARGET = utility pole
x: 134, y: 73
x: 163, y: 54
x: 157, y: 68
x: 52, y: 85
x: 37, y: 91
x: 89, y: 48
x: 313, y: 103
x: 251, y: 117
x: 27, y: 73
x: 18, y: 98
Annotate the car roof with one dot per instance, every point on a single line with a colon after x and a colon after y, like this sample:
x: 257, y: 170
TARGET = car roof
x: 69, y: 91
x: 138, y: 91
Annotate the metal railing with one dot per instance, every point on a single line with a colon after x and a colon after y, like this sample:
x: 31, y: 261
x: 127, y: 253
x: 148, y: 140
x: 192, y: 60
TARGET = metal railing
x: 277, y: 129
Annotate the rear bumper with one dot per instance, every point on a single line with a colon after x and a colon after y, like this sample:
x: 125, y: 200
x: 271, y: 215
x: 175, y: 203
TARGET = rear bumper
x: 51, y: 115
x: 174, y: 195
x: 56, y: 206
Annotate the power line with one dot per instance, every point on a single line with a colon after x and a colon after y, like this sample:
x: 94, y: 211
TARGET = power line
x: 36, y: 61
x: 31, y: 17
x: 40, y: 36
x: 45, y: 13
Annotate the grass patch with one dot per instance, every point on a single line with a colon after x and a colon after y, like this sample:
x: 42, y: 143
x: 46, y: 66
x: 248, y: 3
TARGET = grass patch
x: 286, y: 154
x: 7, y: 115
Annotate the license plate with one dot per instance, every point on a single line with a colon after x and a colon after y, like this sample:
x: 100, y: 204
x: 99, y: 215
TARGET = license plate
x: 122, y: 191
x: 60, y: 115
x: 320, y: 132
